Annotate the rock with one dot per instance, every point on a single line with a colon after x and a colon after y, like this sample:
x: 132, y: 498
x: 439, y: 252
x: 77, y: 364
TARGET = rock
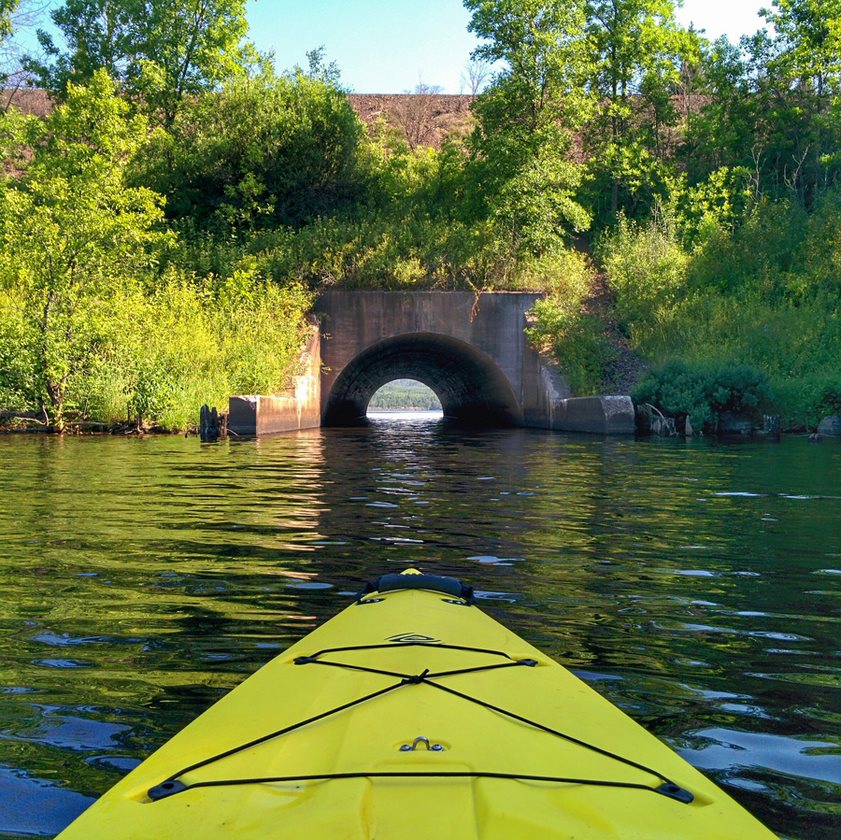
x: 734, y: 424
x: 830, y: 426
x: 603, y: 415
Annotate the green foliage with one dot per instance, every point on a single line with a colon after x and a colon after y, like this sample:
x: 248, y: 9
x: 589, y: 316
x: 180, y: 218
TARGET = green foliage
x: 638, y: 53
x: 546, y: 60
x: 809, y: 37
x: 259, y: 328
x: 158, y: 357
x: 829, y: 396
x: 709, y: 173
x: 263, y: 152
x: 765, y: 293
x: 563, y: 329
x: 774, y: 104
x: 89, y: 326
x: 704, y: 393
x: 575, y: 339
x: 405, y: 394
x: 160, y: 51
x: 716, y: 206
x: 374, y: 251
x: 803, y: 402
x: 818, y: 259
x: 64, y: 225
x: 18, y: 375
x: 6, y: 9
x: 763, y: 254
x: 646, y: 268
x: 536, y: 206
x: 522, y: 166
x: 198, y: 343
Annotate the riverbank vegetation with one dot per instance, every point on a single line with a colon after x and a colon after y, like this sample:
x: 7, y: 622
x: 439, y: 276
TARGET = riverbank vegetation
x: 166, y: 226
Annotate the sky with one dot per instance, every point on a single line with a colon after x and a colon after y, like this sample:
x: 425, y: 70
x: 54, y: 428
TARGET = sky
x: 390, y: 46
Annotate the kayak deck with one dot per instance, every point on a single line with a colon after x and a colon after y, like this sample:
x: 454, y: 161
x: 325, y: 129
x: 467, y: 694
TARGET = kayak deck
x: 411, y: 713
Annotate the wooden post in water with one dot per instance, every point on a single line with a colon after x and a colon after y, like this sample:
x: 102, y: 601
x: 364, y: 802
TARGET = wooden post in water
x: 208, y: 425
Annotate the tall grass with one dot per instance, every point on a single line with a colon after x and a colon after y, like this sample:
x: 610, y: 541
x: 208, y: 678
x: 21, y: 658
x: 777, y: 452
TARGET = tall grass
x: 161, y: 354
x: 563, y: 328
x: 767, y: 294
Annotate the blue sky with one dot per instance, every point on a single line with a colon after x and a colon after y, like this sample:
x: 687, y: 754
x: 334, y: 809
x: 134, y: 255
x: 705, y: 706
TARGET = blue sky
x: 388, y: 46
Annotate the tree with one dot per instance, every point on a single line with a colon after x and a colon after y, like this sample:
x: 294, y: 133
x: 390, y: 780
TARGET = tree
x: 265, y: 151
x: 475, y: 76
x: 159, y: 50
x: 414, y: 112
x: 639, y: 52
x: 13, y: 15
x: 774, y: 103
x: 809, y: 43
x: 72, y: 229
x: 542, y: 46
x: 191, y: 47
x: 805, y: 63
x: 6, y: 9
x: 99, y: 35
x: 526, y: 120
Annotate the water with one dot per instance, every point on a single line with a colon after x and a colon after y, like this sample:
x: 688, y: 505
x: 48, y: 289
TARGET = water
x: 695, y: 585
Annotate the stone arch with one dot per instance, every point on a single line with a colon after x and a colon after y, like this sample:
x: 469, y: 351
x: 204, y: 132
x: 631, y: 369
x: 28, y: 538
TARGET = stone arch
x: 467, y: 381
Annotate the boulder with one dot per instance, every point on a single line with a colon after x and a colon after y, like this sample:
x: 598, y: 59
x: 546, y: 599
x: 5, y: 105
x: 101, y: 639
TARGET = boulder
x: 604, y: 415
x: 830, y: 426
x: 734, y: 424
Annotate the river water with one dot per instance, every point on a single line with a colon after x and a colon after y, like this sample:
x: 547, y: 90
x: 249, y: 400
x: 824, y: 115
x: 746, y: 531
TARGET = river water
x: 696, y: 585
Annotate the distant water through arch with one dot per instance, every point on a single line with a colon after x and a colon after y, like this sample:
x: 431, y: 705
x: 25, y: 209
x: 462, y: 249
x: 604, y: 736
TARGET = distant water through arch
x: 405, y: 399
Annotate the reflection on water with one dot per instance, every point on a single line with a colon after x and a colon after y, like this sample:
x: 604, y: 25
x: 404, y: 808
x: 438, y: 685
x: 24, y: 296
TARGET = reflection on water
x: 696, y: 586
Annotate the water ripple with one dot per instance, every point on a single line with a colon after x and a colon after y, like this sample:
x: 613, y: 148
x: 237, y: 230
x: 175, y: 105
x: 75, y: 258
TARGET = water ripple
x: 679, y: 580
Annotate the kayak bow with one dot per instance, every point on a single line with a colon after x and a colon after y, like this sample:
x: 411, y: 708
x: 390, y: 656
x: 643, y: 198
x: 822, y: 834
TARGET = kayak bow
x: 413, y: 714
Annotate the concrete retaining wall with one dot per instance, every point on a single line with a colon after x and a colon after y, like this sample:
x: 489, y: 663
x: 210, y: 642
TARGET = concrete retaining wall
x: 299, y: 408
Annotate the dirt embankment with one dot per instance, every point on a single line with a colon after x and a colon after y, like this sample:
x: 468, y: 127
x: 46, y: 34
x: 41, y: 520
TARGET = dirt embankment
x: 424, y: 119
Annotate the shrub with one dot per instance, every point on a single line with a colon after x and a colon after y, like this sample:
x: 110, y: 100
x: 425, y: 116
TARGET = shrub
x: 18, y: 371
x: 575, y: 339
x: 266, y: 150
x: 757, y: 257
x: 562, y: 328
x: 200, y: 342
x: 646, y: 269
x: 704, y: 393
x: 805, y: 401
x: 829, y: 396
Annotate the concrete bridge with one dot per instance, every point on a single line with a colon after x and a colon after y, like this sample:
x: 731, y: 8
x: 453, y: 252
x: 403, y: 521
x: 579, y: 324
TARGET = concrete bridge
x: 470, y: 350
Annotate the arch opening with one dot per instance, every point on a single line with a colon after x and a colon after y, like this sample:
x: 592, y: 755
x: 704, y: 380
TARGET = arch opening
x: 404, y: 396
x: 470, y: 386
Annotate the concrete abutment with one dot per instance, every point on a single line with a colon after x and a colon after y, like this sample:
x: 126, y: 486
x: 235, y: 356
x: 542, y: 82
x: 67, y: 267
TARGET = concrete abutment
x: 470, y: 350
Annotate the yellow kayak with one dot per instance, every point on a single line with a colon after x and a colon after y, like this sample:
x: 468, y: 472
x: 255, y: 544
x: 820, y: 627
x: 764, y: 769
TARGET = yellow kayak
x: 413, y: 715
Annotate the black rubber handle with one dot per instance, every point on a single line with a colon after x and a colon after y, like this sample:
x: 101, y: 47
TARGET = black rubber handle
x: 434, y: 583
